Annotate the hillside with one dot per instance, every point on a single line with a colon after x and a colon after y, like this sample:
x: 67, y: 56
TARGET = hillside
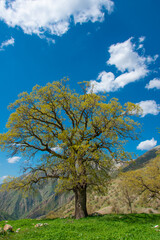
x: 142, y: 160
x: 113, y: 201
x: 46, y: 202
x: 5, y: 216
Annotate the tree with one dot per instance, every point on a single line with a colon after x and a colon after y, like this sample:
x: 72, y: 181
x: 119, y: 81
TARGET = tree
x: 149, y: 179
x: 127, y: 189
x: 142, y: 184
x: 73, y: 137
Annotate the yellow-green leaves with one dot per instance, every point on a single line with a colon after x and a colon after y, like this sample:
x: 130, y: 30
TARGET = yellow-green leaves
x: 144, y: 182
x: 89, y: 130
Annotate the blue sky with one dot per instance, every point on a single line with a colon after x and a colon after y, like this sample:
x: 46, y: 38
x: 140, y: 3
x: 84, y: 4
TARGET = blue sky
x: 113, y: 44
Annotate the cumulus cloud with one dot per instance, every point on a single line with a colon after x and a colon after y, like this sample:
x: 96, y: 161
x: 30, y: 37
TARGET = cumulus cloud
x: 107, y: 83
x: 13, y: 159
x: 124, y: 56
x: 149, y: 107
x: 53, y: 16
x: 155, y: 83
x: 9, y: 42
x: 131, y: 65
x: 147, y: 145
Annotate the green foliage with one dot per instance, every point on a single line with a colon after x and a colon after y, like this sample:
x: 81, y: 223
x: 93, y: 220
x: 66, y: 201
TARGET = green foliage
x: 143, y: 183
x: 108, y: 227
x: 88, y: 131
x: 76, y: 138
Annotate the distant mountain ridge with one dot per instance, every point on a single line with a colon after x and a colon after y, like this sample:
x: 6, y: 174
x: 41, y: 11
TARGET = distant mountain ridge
x: 142, y: 160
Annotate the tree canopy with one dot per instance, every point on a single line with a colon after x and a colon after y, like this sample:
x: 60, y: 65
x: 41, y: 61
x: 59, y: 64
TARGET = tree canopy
x: 74, y: 137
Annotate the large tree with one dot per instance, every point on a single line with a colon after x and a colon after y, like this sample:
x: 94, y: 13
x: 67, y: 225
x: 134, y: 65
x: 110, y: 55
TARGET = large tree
x: 74, y: 138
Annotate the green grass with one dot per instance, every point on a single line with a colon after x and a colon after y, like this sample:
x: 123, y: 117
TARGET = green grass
x: 108, y: 227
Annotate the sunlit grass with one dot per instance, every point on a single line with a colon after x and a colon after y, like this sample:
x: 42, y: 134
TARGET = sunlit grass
x: 108, y: 227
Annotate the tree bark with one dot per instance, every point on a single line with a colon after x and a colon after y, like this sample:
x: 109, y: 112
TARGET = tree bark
x: 80, y: 202
x: 130, y: 206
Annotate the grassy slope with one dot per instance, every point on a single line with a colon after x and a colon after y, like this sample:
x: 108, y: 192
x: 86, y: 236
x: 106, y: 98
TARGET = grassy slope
x: 108, y: 227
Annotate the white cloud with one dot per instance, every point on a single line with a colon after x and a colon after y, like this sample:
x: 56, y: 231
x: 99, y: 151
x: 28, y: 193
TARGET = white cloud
x: 141, y: 39
x: 53, y: 16
x: 9, y: 42
x: 155, y: 83
x: 13, y: 159
x: 152, y: 59
x: 149, y: 107
x: 140, y: 46
x: 57, y: 149
x: 147, y: 145
x: 127, y: 60
x: 124, y: 56
x: 107, y: 83
x: 50, y: 40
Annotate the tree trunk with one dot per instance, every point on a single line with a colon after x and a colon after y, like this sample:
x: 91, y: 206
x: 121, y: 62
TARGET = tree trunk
x: 80, y: 202
x: 130, y: 206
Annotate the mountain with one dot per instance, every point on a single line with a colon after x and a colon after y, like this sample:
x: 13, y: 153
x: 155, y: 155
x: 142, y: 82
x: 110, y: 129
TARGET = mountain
x: 5, y: 216
x: 142, y: 160
x: 13, y: 205
x: 16, y: 205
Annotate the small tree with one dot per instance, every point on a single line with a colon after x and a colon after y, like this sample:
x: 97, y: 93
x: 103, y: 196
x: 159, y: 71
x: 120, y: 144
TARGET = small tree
x: 147, y: 180
x: 73, y: 137
x: 128, y: 189
x: 142, y: 184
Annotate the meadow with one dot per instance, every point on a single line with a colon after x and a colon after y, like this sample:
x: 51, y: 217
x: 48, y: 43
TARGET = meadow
x: 107, y: 227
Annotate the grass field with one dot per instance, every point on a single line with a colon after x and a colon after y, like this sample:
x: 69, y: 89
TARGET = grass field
x: 108, y: 227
